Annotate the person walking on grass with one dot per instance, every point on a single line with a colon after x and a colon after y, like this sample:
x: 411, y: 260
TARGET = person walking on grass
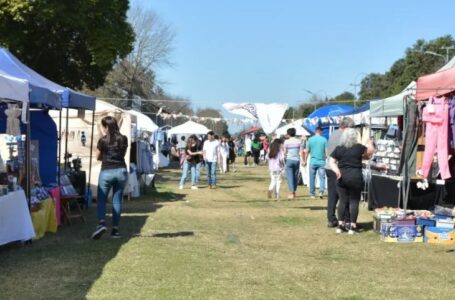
x: 276, y: 163
x: 191, y: 163
x: 256, y: 147
x: 248, y: 151
x: 224, y: 154
x: 210, y: 153
x: 315, y: 147
x: 293, y: 153
x: 346, y: 162
x: 332, y: 193
x: 111, y: 149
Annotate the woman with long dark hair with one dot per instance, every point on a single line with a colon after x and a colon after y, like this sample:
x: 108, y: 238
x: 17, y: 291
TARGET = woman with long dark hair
x: 111, y: 149
x: 276, y: 163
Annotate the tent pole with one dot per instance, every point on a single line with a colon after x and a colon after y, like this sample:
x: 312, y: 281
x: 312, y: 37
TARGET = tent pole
x: 59, y: 146
x: 28, y: 159
x: 66, y: 139
x: 91, y: 155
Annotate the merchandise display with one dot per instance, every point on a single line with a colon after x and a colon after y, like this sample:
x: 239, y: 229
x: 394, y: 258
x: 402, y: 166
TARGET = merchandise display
x: 387, y: 155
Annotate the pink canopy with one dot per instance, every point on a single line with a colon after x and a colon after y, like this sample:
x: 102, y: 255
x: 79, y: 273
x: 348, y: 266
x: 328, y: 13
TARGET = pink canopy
x: 435, y: 84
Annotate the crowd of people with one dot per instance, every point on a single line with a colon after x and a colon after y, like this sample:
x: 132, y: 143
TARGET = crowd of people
x: 336, y: 162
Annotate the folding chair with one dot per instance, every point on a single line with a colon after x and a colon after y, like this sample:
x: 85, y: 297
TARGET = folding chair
x: 70, y: 201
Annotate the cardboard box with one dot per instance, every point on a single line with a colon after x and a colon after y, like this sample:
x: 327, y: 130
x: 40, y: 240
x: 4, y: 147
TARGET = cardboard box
x: 425, y: 222
x: 439, y: 235
x: 404, y: 222
x: 445, y: 223
x: 402, y: 233
x: 378, y: 220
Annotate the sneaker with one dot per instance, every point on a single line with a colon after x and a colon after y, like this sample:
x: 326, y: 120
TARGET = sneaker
x: 115, y: 234
x: 180, y: 187
x: 312, y: 196
x: 353, y: 231
x: 194, y: 187
x: 341, y: 228
x: 321, y: 195
x: 100, y: 229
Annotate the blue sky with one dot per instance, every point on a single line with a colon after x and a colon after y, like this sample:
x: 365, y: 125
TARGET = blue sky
x: 270, y: 50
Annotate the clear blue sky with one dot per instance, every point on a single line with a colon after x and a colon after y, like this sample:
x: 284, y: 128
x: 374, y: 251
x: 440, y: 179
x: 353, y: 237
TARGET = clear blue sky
x: 270, y: 50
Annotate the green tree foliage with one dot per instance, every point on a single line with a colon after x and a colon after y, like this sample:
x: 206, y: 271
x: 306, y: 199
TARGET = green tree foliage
x: 414, y: 64
x: 74, y: 43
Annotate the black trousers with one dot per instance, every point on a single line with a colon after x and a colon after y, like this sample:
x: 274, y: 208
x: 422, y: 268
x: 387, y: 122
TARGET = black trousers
x: 332, y: 195
x: 256, y: 154
x: 248, y: 153
x: 349, y: 201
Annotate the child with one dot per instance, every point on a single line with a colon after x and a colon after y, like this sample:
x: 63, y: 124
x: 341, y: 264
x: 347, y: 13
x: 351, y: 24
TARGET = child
x: 276, y: 163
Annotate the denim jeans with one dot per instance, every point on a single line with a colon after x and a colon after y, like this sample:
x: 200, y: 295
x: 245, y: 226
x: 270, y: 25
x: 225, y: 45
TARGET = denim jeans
x: 194, y: 173
x: 115, y: 179
x: 292, y: 174
x: 320, y: 170
x: 211, y: 172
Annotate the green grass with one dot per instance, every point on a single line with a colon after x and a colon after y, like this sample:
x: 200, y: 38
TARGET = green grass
x: 228, y: 243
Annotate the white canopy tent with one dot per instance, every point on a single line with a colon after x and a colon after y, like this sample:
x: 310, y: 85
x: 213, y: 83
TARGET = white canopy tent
x: 297, y: 124
x: 143, y: 122
x: 189, y: 127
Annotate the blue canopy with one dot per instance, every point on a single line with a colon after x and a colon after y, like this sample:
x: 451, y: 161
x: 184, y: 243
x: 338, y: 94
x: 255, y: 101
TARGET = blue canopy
x: 43, y: 91
x: 356, y: 110
x: 44, y: 130
x: 321, y: 117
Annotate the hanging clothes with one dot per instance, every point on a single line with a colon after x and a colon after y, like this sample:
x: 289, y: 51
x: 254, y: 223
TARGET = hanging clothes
x: 144, y: 158
x: 452, y: 122
x: 12, y: 121
x: 436, y: 117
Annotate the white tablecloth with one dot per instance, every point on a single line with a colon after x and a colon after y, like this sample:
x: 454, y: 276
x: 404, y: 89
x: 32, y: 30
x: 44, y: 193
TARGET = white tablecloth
x: 15, y: 220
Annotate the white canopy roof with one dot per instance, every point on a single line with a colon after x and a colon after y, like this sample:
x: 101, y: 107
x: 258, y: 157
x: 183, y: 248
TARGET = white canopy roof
x: 298, y: 127
x: 14, y: 88
x: 189, y: 127
x: 143, y: 122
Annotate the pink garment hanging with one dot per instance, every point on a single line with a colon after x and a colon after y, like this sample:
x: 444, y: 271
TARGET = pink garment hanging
x: 55, y: 194
x: 436, y: 117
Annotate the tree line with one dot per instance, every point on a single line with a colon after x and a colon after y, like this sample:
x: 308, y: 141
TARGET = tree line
x: 103, y: 48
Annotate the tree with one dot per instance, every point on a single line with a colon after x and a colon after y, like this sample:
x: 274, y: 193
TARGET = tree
x: 74, y: 43
x: 416, y: 62
x: 135, y: 75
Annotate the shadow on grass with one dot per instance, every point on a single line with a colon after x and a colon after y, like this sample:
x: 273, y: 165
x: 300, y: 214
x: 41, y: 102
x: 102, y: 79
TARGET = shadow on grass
x: 167, y: 234
x: 243, y: 201
x: 365, y: 226
x: 165, y: 196
x: 228, y: 186
x: 315, y: 208
x: 66, y: 265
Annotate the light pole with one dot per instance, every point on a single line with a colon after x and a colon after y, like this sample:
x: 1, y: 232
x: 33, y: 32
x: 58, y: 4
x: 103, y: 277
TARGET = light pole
x: 447, y: 52
x: 445, y: 57
x: 312, y: 94
x: 355, y: 84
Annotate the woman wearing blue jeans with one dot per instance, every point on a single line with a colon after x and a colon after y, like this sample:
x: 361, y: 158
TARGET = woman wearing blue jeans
x: 293, y: 153
x: 111, y: 151
x: 192, y: 161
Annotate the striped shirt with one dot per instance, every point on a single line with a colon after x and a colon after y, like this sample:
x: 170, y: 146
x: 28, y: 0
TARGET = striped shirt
x: 293, y: 147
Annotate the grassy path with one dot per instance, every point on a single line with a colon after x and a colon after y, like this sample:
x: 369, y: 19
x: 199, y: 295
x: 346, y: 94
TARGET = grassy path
x: 228, y: 243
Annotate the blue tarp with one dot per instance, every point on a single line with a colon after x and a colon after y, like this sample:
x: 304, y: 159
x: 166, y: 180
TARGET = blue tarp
x: 40, y: 86
x: 44, y: 130
x: 314, y: 119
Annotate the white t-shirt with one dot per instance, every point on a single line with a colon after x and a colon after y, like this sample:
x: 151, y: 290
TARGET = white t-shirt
x: 247, y: 145
x: 210, y: 149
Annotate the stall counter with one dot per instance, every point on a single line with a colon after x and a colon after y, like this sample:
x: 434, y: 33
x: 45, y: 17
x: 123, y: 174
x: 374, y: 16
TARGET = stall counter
x: 15, y: 220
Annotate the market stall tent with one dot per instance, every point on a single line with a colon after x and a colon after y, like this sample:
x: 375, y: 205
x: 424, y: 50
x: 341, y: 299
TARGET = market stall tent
x: 13, y: 88
x: 81, y: 121
x: 436, y: 84
x: 189, y: 127
x: 323, y: 117
x: 143, y: 122
x: 40, y: 85
x: 297, y: 124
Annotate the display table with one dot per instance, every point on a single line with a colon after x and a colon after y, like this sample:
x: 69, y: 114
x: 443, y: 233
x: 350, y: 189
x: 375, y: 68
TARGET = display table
x: 44, y: 220
x: 383, y: 190
x: 15, y: 220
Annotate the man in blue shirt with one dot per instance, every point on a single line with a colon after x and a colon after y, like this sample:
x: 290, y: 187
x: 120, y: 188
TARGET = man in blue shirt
x: 316, y: 147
